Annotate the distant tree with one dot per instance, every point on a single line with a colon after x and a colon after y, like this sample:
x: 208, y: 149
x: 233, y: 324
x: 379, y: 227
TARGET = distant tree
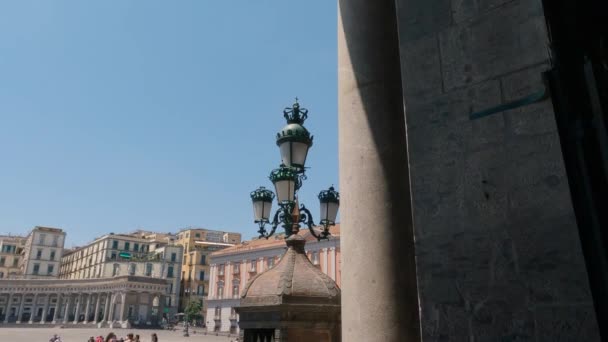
x: 193, y: 311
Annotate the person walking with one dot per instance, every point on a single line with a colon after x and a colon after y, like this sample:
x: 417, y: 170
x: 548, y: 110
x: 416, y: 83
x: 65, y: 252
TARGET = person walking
x: 154, y: 338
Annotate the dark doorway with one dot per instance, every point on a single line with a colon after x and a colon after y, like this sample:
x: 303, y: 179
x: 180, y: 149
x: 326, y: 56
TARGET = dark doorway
x: 578, y: 83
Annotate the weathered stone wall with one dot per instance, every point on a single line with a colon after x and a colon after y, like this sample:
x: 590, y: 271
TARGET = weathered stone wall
x: 498, y: 252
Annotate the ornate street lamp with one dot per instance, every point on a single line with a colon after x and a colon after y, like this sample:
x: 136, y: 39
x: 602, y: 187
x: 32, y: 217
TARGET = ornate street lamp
x: 293, y: 140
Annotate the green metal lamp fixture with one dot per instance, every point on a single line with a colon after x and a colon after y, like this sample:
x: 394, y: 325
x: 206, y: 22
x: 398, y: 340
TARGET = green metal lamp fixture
x: 293, y: 140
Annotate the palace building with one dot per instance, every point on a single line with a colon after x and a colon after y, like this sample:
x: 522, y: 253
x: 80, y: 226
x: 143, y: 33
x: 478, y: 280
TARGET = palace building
x: 116, y: 255
x: 233, y: 267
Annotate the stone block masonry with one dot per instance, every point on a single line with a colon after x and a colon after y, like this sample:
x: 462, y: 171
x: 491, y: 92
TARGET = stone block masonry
x: 497, y: 247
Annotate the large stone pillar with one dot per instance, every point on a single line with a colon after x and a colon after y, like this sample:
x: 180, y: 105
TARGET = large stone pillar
x: 96, y: 315
x: 33, y: 311
x: 45, y: 309
x: 122, y: 307
x: 20, y: 311
x: 57, y: 309
x: 379, y: 295
x: 111, y: 312
x: 77, y: 311
x: 86, y: 309
x: 106, y: 308
x: 66, y: 314
x: 8, y: 307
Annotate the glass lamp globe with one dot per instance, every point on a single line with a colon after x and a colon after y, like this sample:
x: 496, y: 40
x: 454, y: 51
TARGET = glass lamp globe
x: 329, y: 201
x: 261, y: 199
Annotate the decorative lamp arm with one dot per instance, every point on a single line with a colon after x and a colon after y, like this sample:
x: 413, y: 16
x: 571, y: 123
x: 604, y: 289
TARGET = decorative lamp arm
x: 306, y: 217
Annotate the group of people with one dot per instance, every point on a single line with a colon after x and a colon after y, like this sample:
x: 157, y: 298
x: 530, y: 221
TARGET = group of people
x: 112, y: 338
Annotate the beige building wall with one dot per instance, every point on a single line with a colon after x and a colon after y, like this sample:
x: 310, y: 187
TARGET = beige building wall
x: 42, y: 253
x: 198, y: 245
x: 11, y: 248
x: 116, y: 255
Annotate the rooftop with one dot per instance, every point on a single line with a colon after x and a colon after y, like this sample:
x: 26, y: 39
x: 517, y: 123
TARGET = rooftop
x: 274, y: 241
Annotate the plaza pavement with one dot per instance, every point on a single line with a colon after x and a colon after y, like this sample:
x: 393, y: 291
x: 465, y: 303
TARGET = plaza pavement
x: 31, y: 334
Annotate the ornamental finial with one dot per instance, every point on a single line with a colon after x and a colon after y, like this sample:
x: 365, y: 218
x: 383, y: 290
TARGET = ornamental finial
x: 295, y: 114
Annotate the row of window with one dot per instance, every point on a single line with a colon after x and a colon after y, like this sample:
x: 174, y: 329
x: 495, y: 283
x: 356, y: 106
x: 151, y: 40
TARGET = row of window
x: 37, y: 271
x: 148, y: 271
x: 55, y: 242
x: 40, y: 251
x: 127, y: 246
x: 202, y: 260
x: 9, y: 249
x: 3, y: 262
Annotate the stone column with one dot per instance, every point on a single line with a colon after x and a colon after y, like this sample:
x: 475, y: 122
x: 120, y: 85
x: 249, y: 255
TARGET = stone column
x: 106, y: 308
x: 379, y: 294
x: 332, y: 263
x: 112, y: 304
x: 67, y: 309
x: 57, y: 309
x: 122, y: 307
x: 33, y: 311
x: 77, y: 311
x: 86, y: 309
x: 20, y: 311
x: 96, y: 315
x: 8, y: 307
x: 45, y: 309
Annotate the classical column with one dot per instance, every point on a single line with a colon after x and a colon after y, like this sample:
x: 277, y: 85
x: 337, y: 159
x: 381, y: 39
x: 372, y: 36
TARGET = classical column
x: 324, y: 261
x: 111, y: 312
x: 67, y: 309
x: 45, y: 309
x: 20, y: 311
x: 33, y: 311
x: 379, y: 294
x: 57, y: 309
x: 86, y: 309
x: 332, y: 263
x: 8, y: 307
x: 106, y: 308
x: 122, y: 307
x: 77, y: 312
x: 96, y: 315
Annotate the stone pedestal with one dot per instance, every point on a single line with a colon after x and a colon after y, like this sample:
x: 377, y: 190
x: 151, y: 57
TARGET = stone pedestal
x: 294, y: 301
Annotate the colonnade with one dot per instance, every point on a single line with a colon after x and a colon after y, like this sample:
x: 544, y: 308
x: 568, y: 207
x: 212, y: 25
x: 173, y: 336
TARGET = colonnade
x: 81, y: 308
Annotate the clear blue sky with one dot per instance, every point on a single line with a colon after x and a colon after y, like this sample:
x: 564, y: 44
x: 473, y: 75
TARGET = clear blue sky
x: 118, y: 115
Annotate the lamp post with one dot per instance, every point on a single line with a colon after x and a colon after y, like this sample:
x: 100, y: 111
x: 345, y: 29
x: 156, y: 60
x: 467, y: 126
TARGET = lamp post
x: 293, y: 141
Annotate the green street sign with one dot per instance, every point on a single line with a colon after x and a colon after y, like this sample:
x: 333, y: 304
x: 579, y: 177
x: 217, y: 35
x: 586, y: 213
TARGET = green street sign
x: 125, y: 255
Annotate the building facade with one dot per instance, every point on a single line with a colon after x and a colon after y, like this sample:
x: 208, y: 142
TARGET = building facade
x: 233, y: 267
x: 42, y: 253
x: 116, y: 255
x: 11, y: 249
x: 106, y: 302
x: 198, y: 244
